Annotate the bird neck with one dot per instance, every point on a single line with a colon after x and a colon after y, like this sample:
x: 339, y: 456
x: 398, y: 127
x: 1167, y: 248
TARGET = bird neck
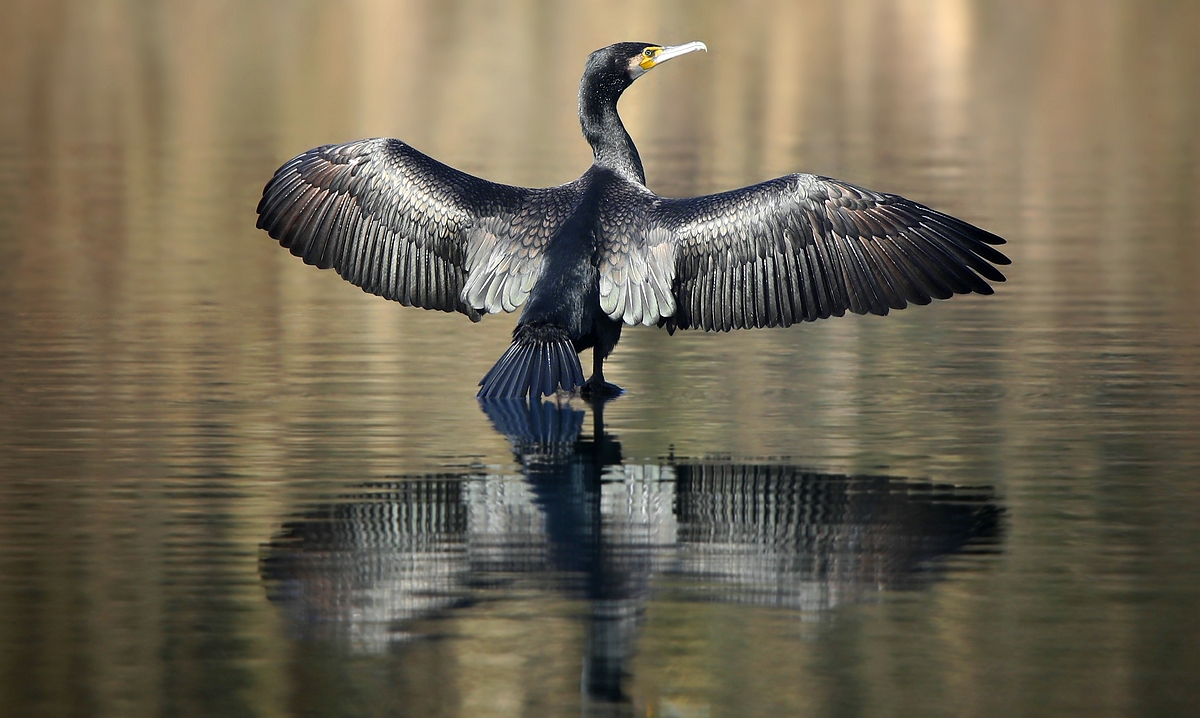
x: 612, y: 147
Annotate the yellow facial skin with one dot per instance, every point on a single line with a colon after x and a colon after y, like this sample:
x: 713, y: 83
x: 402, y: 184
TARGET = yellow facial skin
x: 648, y: 57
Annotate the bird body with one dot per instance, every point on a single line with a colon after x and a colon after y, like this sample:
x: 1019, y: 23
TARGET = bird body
x: 585, y: 258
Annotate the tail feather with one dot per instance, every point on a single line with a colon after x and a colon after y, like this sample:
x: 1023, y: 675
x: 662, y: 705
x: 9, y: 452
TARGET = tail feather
x: 535, y: 370
x: 541, y: 360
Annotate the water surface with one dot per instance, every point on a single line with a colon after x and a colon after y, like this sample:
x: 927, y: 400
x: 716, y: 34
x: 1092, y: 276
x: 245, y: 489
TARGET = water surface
x: 233, y: 485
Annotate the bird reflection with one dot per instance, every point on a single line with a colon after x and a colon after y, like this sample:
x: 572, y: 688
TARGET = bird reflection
x: 375, y: 568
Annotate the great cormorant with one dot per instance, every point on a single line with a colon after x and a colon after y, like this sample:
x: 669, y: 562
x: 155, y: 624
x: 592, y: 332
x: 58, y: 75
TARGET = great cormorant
x: 589, y: 256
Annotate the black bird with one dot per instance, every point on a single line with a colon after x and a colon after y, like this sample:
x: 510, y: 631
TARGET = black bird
x: 589, y: 256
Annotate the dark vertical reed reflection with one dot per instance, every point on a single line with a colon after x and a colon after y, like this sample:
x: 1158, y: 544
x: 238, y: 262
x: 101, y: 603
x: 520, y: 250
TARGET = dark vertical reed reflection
x: 381, y: 567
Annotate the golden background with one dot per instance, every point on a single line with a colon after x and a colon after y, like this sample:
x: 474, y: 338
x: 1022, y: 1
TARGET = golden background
x: 174, y: 384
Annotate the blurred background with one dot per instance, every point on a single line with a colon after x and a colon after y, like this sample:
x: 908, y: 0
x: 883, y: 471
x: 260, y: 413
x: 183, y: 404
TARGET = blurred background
x: 176, y: 390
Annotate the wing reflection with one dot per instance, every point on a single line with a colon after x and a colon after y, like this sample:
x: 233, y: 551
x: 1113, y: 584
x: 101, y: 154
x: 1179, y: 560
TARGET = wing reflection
x: 782, y: 536
x: 371, y: 569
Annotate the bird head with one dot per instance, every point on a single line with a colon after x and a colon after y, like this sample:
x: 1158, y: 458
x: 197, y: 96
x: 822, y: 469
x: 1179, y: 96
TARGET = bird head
x: 624, y: 62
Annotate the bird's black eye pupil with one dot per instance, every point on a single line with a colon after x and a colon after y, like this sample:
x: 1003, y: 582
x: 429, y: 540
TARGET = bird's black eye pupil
x: 648, y: 53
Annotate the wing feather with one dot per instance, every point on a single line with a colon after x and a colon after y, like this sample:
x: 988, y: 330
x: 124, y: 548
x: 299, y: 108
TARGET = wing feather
x: 401, y: 225
x: 799, y: 248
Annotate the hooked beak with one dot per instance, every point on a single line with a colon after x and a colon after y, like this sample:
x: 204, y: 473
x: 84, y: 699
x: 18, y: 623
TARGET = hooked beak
x: 670, y: 52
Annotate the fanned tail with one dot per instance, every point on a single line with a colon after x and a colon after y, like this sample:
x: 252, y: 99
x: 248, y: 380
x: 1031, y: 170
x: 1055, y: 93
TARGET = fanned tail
x: 541, y: 360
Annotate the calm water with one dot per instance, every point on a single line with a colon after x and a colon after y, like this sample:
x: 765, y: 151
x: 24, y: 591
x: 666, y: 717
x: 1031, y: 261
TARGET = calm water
x: 232, y: 485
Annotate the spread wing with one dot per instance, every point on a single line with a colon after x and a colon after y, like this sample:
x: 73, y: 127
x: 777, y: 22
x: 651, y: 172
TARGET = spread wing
x: 408, y: 228
x: 797, y: 248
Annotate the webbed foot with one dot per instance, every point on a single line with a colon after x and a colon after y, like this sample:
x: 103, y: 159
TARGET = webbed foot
x: 599, y: 390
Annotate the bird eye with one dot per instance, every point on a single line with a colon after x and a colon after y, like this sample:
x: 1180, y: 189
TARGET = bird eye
x: 648, y: 52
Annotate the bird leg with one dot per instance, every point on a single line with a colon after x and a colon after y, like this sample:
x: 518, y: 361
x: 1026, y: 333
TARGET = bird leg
x: 595, y: 387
